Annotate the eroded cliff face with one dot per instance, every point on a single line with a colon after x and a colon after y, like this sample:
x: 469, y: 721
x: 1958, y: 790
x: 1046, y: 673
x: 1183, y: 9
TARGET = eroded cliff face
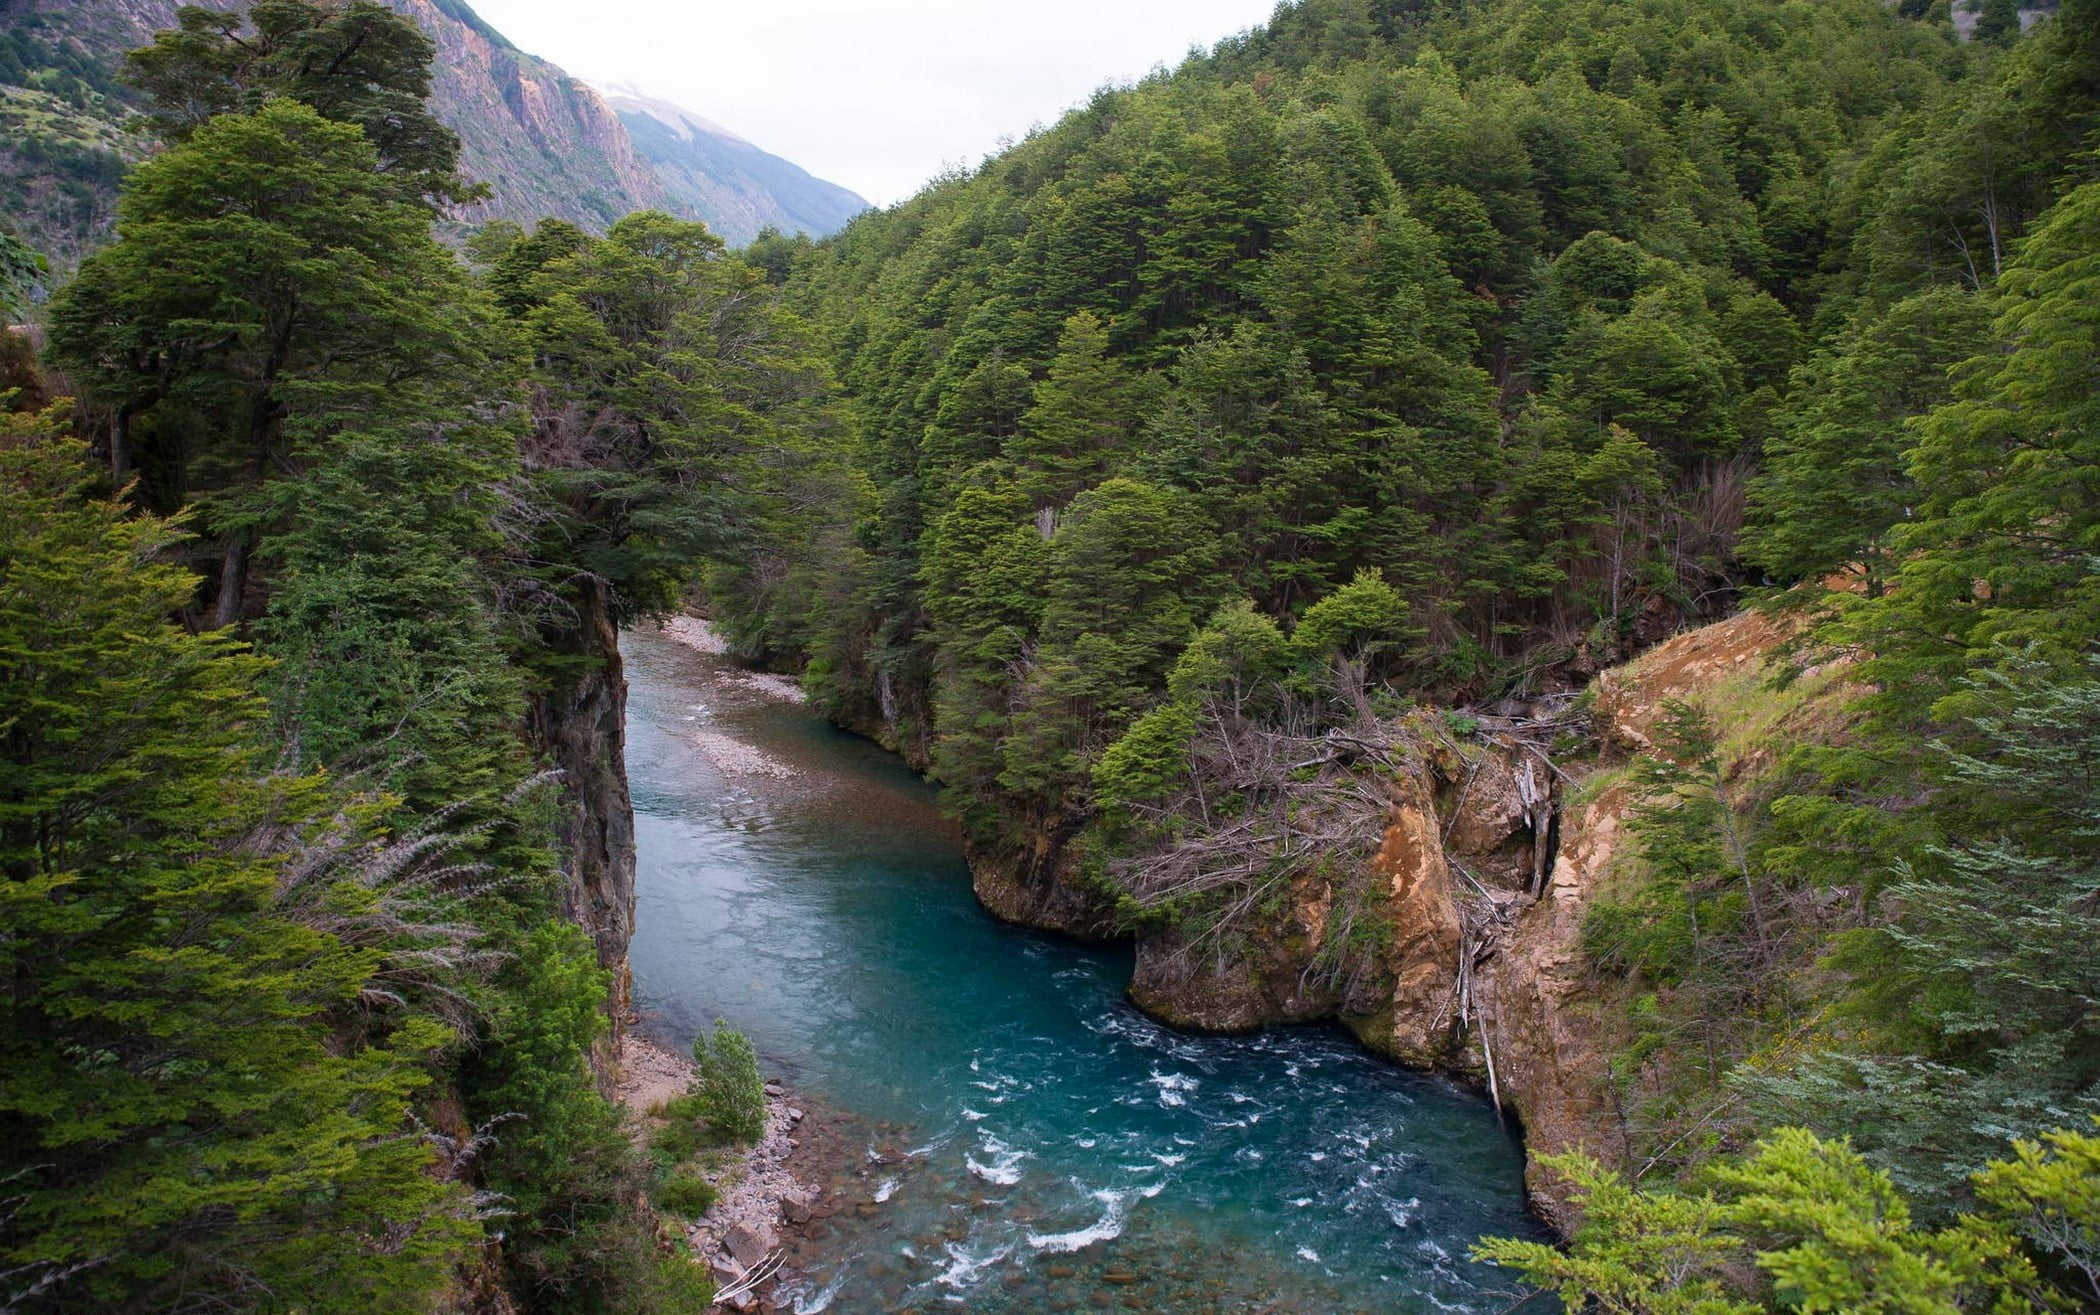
x: 544, y: 143
x: 582, y: 730
x: 1042, y: 889
x: 1462, y: 946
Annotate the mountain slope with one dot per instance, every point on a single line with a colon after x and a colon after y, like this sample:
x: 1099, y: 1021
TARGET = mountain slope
x: 732, y: 185
x: 544, y: 142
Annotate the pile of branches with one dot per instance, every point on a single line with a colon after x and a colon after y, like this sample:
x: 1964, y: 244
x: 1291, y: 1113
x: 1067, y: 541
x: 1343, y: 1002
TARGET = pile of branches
x: 1266, y: 799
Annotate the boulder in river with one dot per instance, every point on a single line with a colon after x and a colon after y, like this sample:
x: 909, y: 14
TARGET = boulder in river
x: 748, y: 1244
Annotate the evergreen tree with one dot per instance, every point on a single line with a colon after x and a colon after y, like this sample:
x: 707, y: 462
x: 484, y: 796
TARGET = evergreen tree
x: 195, y: 1108
x: 20, y: 269
x: 1837, y: 484
x: 1078, y: 428
x: 1803, y: 1224
x: 2008, y: 528
x: 1976, y: 1000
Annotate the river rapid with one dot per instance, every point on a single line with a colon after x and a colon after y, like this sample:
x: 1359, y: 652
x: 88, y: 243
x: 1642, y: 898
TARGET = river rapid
x: 1033, y: 1142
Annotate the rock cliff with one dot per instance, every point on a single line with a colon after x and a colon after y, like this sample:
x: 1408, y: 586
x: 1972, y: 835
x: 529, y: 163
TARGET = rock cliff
x: 735, y: 187
x: 581, y: 728
x: 545, y: 143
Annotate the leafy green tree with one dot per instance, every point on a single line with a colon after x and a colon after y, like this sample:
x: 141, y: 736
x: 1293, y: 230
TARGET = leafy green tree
x: 1997, y: 21
x: 1977, y: 997
x: 679, y: 401
x: 1837, y: 484
x: 730, y: 1095
x: 382, y: 617
x: 1362, y: 620
x: 20, y: 269
x: 268, y: 287
x: 1636, y: 1253
x: 1080, y: 423
x: 2049, y: 1193
x: 358, y: 63
x: 1227, y: 670
x: 517, y: 258
x: 1829, y: 1232
x: 1124, y: 577
x: 576, y: 1242
x: 2001, y: 546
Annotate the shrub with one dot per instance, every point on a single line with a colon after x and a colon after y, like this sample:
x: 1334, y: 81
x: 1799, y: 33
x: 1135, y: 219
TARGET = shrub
x: 686, y: 1195
x: 729, y: 1095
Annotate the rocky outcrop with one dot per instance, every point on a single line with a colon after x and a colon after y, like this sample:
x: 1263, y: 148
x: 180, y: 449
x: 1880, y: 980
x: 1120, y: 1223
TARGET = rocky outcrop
x: 544, y: 143
x: 1462, y: 947
x: 1042, y: 888
x: 581, y: 729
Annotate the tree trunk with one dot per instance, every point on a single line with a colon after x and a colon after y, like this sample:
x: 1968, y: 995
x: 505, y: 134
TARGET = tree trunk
x: 233, y: 580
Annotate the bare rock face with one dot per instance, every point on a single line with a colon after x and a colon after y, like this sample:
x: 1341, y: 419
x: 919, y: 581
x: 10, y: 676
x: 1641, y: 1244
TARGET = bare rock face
x: 1264, y: 984
x: 1420, y: 1021
x: 1630, y: 699
x: 1537, y: 1016
x: 583, y: 728
x: 1040, y: 889
x: 544, y: 142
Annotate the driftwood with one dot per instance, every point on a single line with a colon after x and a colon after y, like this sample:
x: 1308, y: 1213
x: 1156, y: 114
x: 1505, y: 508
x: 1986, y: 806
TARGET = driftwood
x: 759, y: 1273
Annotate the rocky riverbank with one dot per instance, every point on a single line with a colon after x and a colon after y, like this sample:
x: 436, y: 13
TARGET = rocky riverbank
x: 770, y: 1193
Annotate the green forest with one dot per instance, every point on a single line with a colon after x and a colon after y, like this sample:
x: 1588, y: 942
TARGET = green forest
x: 1399, y: 356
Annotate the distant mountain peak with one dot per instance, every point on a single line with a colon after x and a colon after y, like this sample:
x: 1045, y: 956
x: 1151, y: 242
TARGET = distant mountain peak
x: 626, y: 96
x: 736, y: 187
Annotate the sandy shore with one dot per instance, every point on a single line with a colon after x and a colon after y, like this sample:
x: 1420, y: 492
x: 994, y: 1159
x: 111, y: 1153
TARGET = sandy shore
x: 697, y: 634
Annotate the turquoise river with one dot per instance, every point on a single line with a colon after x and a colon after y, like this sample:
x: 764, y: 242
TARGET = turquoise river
x: 1032, y: 1142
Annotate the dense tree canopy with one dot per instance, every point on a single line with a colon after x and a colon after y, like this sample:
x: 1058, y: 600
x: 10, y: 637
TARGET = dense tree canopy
x: 1394, y: 353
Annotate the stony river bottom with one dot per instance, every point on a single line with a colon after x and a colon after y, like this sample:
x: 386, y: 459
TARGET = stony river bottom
x: 1032, y: 1142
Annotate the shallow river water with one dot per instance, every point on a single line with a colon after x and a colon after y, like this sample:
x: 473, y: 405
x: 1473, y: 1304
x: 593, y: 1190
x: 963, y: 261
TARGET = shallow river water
x: 1042, y: 1146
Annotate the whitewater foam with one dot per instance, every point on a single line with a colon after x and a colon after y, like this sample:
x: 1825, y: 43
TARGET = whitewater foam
x: 823, y: 1297
x: 1005, y: 1167
x: 1109, y: 1226
x: 1173, y: 1087
x: 964, y: 1268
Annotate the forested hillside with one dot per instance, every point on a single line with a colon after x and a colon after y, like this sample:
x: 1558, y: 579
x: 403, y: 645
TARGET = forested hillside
x: 1379, y: 377
x: 1403, y: 354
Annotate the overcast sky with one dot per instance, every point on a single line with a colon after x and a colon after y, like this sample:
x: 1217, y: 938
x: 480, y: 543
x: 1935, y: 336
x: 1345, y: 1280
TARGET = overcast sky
x: 877, y: 95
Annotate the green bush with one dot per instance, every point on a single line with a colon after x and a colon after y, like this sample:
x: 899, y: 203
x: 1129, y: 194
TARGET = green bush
x: 686, y: 1195
x: 729, y: 1096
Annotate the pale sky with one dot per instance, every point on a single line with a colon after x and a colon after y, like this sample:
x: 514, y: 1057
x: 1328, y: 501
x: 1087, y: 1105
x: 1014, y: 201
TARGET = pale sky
x: 881, y: 95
